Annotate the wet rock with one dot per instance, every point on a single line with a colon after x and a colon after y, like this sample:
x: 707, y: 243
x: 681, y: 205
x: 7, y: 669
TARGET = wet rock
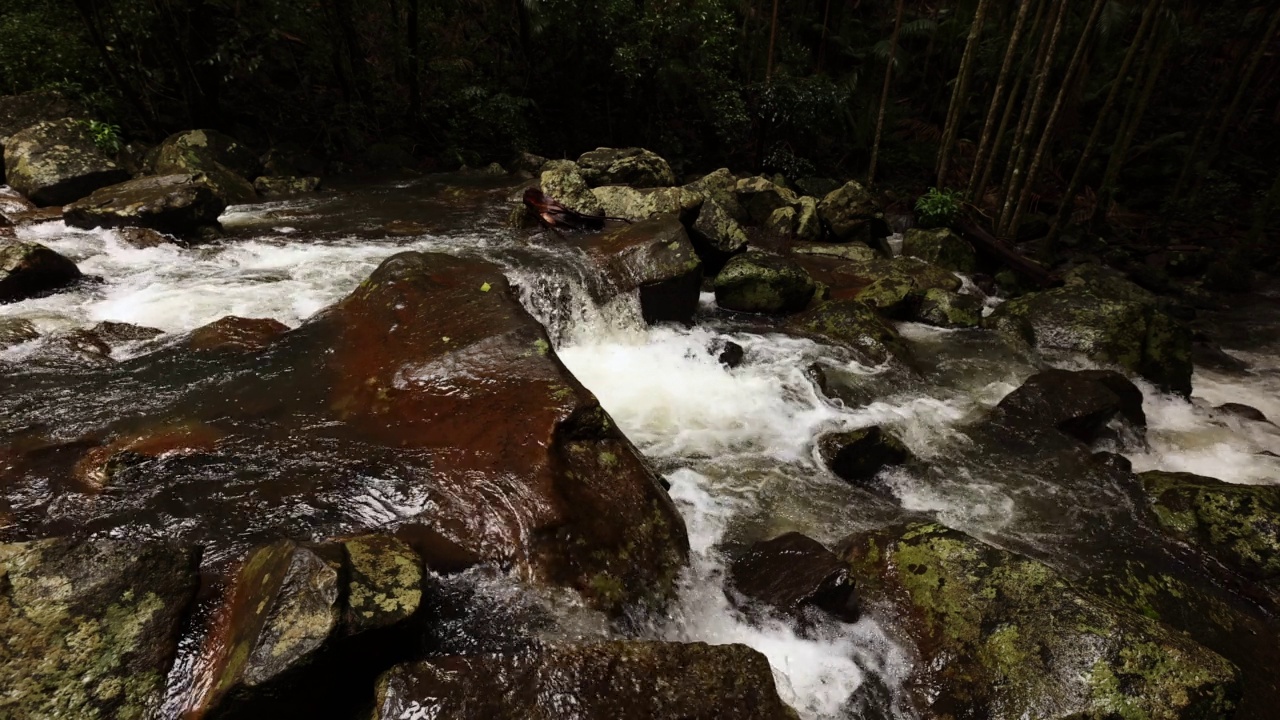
x: 717, y: 233
x: 30, y: 270
x: 1207, y: 354
x: 117, y: 333
x: 100, y: 467
x: 19, y: 112
x: 858, y: 455
x: 731, y: 354
x: 37, y: 216
x: 1246, y: 412
x: 12, y: 203
x: 141, y: 237
x: 941, y: 247
x: 851, y: 213
x: 631, y: 203
x: 949, y: 310
x: 225, y: 163
x: 855, y: 251
x: 1003, y: 636
x: 654, y: 258
x: 1238, y: 524
x: 90, y: 627
x: 15, y: 331
x: 854, y: 325
x: 808, y: 224
x: 636, y: 167
x: 1109, y: 320
x: 385, y: 585
x: 285, y: 185
x: 782, y: 222
x: 562, y: 181
x: 622, y: 680
x: 755, y: 282
x: 1079, y: 403
x: 55, y: 161
x: 178, y: 204
x: 792, y: 574
x: 1114, y: 462
x: 760, y: 197
x: 235, y: 334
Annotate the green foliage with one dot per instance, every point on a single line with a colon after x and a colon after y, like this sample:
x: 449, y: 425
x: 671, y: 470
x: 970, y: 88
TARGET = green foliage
x: 938, y: 208
x: 105, y: 135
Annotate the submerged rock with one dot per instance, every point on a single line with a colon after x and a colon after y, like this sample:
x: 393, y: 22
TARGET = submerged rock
x: 653, y: 258
x: 619, y: 680
x: 858, y: 455
x: 759, y: 283
x: 30, y: 270
x: 178, y: 204
x: 56, y: 161
x: 942, y: 247
x: 225, y: 163
x: 1079, y: 403
x: 636, y: 167
x: 1004, y: 637
x: 235, y: 334
x: 792, y: 574
x: 1108, y: 320
x: 15, y: 331
x: 854, y: 325
x: 90, y: 628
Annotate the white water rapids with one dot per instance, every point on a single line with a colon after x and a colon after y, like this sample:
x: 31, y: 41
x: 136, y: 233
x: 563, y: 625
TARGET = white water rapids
x: 736, y: 445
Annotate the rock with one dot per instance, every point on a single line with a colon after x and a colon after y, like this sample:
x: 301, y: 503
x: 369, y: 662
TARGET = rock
x: 15, y: 331
x: 755, y: 282
x: 946, y: 309
x: 385, y: 582
x: 286, y: 161
x: 1003, y: 636
x: 731, y: 354
x: 1237, y: 524
x: 235, y: 334
x: 116, y: 333
x: 1246, y: 412
x: 178, y: 204
x: 19, y: 112
x: 854, y: 325
x: 858, y: 455
x: 759, y: 197
x: 55, y: 161
x: 225, y: 163
x: 941, y: 247
x: 851, y: 213
x: 562, y: 181
x: 793, y: 573
x: 621, y: 680
x: 528, y: 162
x: 717, y: 185
x: 37, y: 216
x: 90, y: 627
x: 631, y: 203
x: 1079, y: 403
x: 1114, y: 462
x: 782, y: 221
x: 12, y: 203
x: 141, y: 237
x: 808, y: 222
x: 1109, y: 320
x: 717, y: 233
x: 636, y: 167
x: 283, y: 186
x: 137, y: 452
x: 816, y: 186
x: 1206, y: 353
x: 654, y: 258
x: 30, y: 270
x: 855, y: 251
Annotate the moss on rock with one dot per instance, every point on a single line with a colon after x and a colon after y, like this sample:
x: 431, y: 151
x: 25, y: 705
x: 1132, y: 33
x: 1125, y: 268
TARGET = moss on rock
x: 761, y: 283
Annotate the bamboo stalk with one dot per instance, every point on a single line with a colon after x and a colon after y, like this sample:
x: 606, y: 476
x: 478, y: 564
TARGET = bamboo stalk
x: 884, y: 94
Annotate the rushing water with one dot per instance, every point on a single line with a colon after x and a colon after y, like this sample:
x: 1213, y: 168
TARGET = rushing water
x: 737, y: 445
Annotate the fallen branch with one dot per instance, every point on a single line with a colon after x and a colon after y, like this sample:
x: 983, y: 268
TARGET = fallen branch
x: 1025, y: 267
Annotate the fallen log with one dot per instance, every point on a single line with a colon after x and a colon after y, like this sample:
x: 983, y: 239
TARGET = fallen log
x: 987, y: 244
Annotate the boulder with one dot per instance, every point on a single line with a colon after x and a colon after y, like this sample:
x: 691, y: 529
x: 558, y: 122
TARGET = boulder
x: 12, y: 203
x: 1079, y: 403
x: 854, y: 325
x: 851, y: 213
x: 142, y: 237
x: 719, y: 184
x: 19, y: 112
x: 562, y: 181
x: 622, y: 680
x: 630, y: 203
x: 1242, y: 411
x: 528, y: 162
x: 271, y: 186
x: 225, y: 163
x: 782, y: 222
x: 636, y: 167
x: 731, y: 354
x: 653, y: 258
x: 808, y: 221
x: 792, y: 574
x: 1237, y: 524
x: 942, y: 247
x: 947, y: 309
x: 717, y: 233
x: 235, y: 334
x: 178, y: 204
x: 1002, y: 636
x: 1107, y: 319
x: 56, y: 161
x: 384, y: 582
x: 30, y: 270
x: 755, y: 282
x: 759, y: 197
x: 90, y: 627
x: 858, y: 455
x: 15, y: 331
x: 855, y: 251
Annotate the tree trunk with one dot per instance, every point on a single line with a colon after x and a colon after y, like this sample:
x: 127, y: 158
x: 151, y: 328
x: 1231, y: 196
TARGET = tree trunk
x: 884, y: 93
x: 1077, y: 178
x: 1018, y: 155
x: 773, y: 37
x: 1068, y: 80
x: 981, y: 189
x: 960, y: 92
x: 993, y: 110
x: 413, y: 40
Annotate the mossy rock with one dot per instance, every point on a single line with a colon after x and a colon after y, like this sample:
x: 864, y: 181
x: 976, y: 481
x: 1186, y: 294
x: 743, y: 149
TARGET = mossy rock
x: 854, y: 325
x: 56, y: 161
x: 850, y: 212
x: 180, y: 204
x: 225, y: 163
x: 942, y: 247
x: 854, y: 251
x: 947, y: 309
x: 761, y: 283
x: 634, y: 204
x: 760, y: 197
x: 384, y: 584
x: 1003, y: 636
x: 1238, y: 524
x: 717, y: 233
x: 30, y: 270
x: 636, y: 167
x: 562, y: 181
